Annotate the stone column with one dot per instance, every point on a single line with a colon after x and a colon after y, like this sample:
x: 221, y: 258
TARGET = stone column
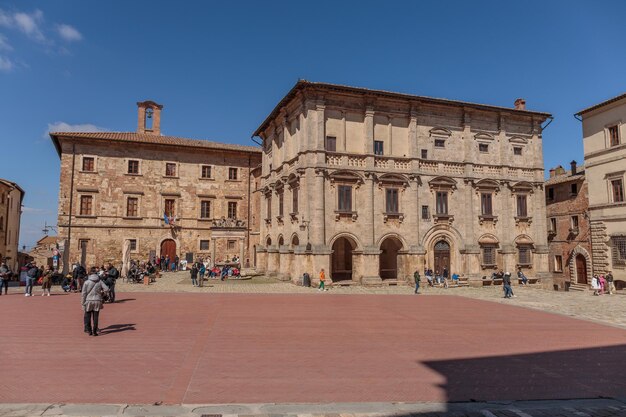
x: 413, y: 145
x: 507, y: 248
x: 320, y: 124
x: 369, y: 130
x: 371, y: 253
x: 318, y: 215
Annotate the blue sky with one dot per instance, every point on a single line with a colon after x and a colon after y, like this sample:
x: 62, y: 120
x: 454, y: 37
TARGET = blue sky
x: 220, y: 67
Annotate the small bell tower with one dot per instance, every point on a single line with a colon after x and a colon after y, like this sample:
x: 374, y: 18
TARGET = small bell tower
x: 149, y: 117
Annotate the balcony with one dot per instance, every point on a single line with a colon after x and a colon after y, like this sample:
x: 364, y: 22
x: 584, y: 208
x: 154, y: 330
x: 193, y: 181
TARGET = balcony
x: 573, y: 231
x: 487, y: 218
x: 346, y: 214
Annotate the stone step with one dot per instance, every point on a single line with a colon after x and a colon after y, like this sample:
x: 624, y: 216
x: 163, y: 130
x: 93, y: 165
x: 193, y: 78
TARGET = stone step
x: 578, y: 287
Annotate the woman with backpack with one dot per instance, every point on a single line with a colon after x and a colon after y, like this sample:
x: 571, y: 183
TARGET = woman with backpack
x: 91, y: 300
x: 201, y: 271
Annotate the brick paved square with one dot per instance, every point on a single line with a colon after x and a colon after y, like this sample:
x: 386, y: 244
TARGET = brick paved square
x: 294, y: 348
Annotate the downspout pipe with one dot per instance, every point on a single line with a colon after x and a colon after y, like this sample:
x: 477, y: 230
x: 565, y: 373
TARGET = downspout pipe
x: 68, y: 244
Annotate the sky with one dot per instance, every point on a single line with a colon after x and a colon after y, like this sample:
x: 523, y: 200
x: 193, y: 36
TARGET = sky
x: 219, y: 68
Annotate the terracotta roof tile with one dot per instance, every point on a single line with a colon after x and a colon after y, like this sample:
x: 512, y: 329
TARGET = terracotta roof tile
x: 155, y: 139
x: 558, y: 179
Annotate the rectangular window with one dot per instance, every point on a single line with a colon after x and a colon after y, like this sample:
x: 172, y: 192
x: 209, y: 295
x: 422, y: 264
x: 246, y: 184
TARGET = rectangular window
x: 425, y: 213
x: 442, y: 202
x: 82, y: 244
x: 517, y: 150
x: 345, y: 198
x: 132, y: 207
x: 206, y: 171
x: 170, y: 169
x: 483, y: 147
x: 618, y: 249
x: 331, y: 143
x: 440, y: 143
x: 88, y: 164
x: 378, y: 147
x: 281, y: 204
x: 485, y: 204
x: 231, y: 245
x: 232, y: 210
x: 269, y: 207
x: 204, y: 245
x: 489, y: 255
x: 550, y: 193
x: 205, y: 209
x: 522, y: 210
x: 86, y: 203
x: 613, y: 135
x: 232, y: 173
x: 133, y: 167
x: 424, y: 154
x: 133, y: 244
x: 553, y: 224
x: 294, y: 202
x: 617, y: 187
x: 392, y: 200
x: 558, y: 263
x: 574, y: 222
x: 524, y: 255
x: 170, y: 207
x: 574, y: 189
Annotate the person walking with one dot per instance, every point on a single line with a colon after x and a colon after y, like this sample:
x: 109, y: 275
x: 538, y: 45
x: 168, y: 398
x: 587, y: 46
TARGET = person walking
x: 602, y: 282
x: 91, y: 301
x: 112, y: 276
x: 176, y: 262
x: 5, y: 276
x: 506, y: 281
x: 609, y: 282
x: 31, y: 276
x: 416, y: 277
x: 322, y: 279
x: 194, y: 274
x: 595, y: 285
x: 201, y: 272
x: 46, y: 283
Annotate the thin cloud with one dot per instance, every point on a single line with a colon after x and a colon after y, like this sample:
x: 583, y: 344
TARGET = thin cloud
x: 5, y: 19
x: 6, y: 64
x: 34, y: 210
x: 4, y: 43
x: 67, y: 127
x: 29, y: 23
x: 69, y: 33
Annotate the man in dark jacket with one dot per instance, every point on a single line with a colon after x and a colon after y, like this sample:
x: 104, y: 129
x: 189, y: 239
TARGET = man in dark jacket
x: 31, y: 276
x: 506, y: 281
x: 79, y: 275
x: 417, y: 278
x: 112, y: 276
x: 5, y: 276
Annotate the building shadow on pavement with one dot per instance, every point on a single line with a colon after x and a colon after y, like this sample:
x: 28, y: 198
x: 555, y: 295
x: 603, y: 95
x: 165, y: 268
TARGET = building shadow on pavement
x: 565, y: 374
x: 116, y: 328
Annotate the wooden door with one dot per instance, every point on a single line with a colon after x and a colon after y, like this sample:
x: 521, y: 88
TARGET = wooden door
x: 168, y: 247
x: 442, y: 257
x: 581, y: 269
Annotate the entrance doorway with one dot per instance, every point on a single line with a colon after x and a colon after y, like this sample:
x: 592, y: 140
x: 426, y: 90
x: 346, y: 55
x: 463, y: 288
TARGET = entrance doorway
x: 341, y: 259
x: 581, y: 269
x: 168, y: 247
x: 442, y: 256
x: 388, y: 268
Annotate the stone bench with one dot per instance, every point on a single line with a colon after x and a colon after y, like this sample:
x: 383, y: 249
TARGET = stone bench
x: 530, y: 281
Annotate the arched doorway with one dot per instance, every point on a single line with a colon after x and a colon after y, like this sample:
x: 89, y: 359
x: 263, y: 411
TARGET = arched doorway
x: 388, y: 264
x: 341, y: 259
x: 581, y: 269
x: 168, y: 247
x: 442, y: 256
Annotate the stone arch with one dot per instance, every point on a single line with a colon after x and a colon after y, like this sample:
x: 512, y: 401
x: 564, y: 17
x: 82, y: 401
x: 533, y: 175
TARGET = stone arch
x: 389, y: 265
x: 350, y: 236
x: 449, y: 235
x: 342, y: 257
x: 295, y: 240
x: 281, y: 240
x: 573, y: 273
x: 268, y: 241
x: 163, y: 238
x: 393, y: 235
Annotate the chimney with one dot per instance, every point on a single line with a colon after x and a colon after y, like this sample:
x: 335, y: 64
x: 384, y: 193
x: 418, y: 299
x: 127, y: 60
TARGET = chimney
x: 552, y: 172
x: 559, y: 171
x: 149, y: 117
x: 573, y: 166
x: 520, y: 104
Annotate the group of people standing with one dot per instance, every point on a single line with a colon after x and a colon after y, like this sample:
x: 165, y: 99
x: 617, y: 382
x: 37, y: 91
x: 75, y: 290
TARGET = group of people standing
x: 164, y: 263
x: 601, y: 284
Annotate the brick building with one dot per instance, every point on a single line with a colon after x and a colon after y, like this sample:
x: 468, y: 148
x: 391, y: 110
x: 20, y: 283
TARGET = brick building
x: 371, y: 185
x: 604, y: 140
x: 11, y: 197
x: 569, y: 235
x: 123, y: 186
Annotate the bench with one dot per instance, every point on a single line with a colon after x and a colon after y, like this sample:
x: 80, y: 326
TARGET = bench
x: 530, y: 281
x: 497, y: 281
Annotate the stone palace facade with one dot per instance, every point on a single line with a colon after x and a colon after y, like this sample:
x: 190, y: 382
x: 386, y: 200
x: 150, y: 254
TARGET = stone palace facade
x: 372, y: 185
x: 120, y: 186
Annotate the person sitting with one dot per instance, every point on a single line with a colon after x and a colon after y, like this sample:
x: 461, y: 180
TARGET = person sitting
x: 66, y: 284
x: 224, y: 272
x: 455, y: 278
x: 521, y: 276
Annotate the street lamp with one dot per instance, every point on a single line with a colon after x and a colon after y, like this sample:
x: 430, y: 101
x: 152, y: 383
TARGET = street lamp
x: 304, y: 224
